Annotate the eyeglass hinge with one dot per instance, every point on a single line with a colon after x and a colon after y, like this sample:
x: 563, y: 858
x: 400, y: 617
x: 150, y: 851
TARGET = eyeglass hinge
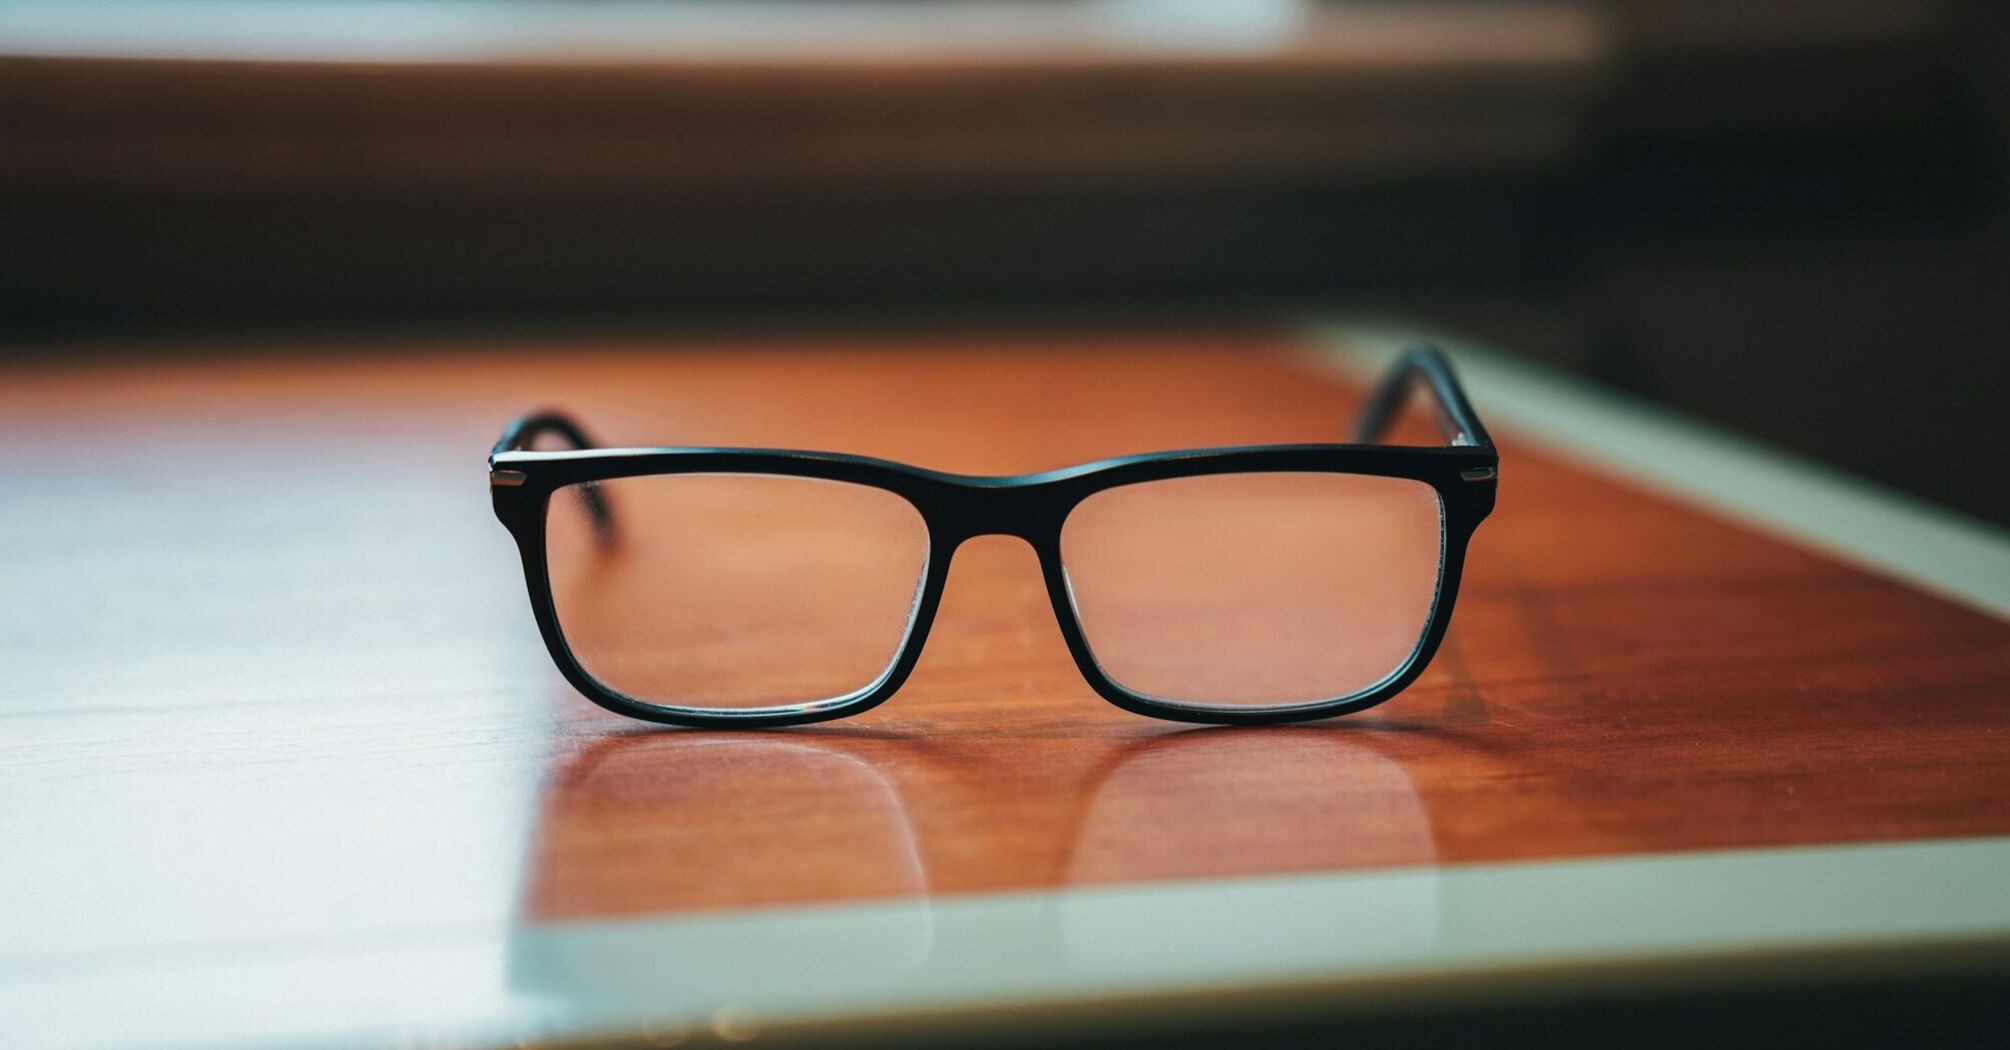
x: 507, y: 478
x: 1478, y: 473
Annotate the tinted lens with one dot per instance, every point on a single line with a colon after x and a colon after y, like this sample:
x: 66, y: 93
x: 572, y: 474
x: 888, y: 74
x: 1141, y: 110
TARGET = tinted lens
x: 1240, y: 590
x: 730, y: 592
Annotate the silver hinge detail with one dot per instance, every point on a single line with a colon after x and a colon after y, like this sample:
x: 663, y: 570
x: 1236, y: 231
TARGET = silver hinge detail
x: 1478, y: 473
x: 507, y: 478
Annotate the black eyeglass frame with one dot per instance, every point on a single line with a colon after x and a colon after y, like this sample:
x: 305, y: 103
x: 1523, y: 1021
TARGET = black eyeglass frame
x: 1033, y: 507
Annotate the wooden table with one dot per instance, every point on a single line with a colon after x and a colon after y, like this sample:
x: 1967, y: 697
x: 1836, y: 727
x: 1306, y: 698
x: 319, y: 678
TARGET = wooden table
x: 285, y: 764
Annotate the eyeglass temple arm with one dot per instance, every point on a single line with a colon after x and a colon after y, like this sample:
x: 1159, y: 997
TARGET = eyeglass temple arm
x: 522, y: 434
x: 1426, y: 365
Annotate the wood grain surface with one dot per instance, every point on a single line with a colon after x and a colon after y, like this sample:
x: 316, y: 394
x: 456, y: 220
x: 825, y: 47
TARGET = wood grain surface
x: 271, y: 677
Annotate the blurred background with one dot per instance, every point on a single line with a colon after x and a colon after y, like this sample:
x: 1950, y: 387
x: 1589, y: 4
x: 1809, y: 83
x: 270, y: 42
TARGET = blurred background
x: 1786, y: 216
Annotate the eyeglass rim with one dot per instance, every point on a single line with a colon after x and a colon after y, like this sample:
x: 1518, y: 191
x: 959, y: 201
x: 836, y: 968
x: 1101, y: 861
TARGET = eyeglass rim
x: 959, y: 507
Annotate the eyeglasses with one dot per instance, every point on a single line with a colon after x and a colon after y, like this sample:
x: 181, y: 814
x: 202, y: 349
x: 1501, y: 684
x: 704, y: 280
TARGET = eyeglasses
x: 752, y: 587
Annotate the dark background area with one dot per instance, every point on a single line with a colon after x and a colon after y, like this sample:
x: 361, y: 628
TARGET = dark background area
x: 1790, y: 218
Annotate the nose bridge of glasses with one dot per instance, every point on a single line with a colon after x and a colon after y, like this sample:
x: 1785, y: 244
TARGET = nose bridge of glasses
x: 974, y: 507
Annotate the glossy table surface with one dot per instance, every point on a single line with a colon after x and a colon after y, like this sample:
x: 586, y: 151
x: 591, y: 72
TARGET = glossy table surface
x: 284, y: 761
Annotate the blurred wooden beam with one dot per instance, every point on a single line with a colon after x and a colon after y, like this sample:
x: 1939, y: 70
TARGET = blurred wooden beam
x: 707, y: 94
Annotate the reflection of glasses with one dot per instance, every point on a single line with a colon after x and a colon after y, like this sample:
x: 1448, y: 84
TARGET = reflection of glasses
x: 743, y: 587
